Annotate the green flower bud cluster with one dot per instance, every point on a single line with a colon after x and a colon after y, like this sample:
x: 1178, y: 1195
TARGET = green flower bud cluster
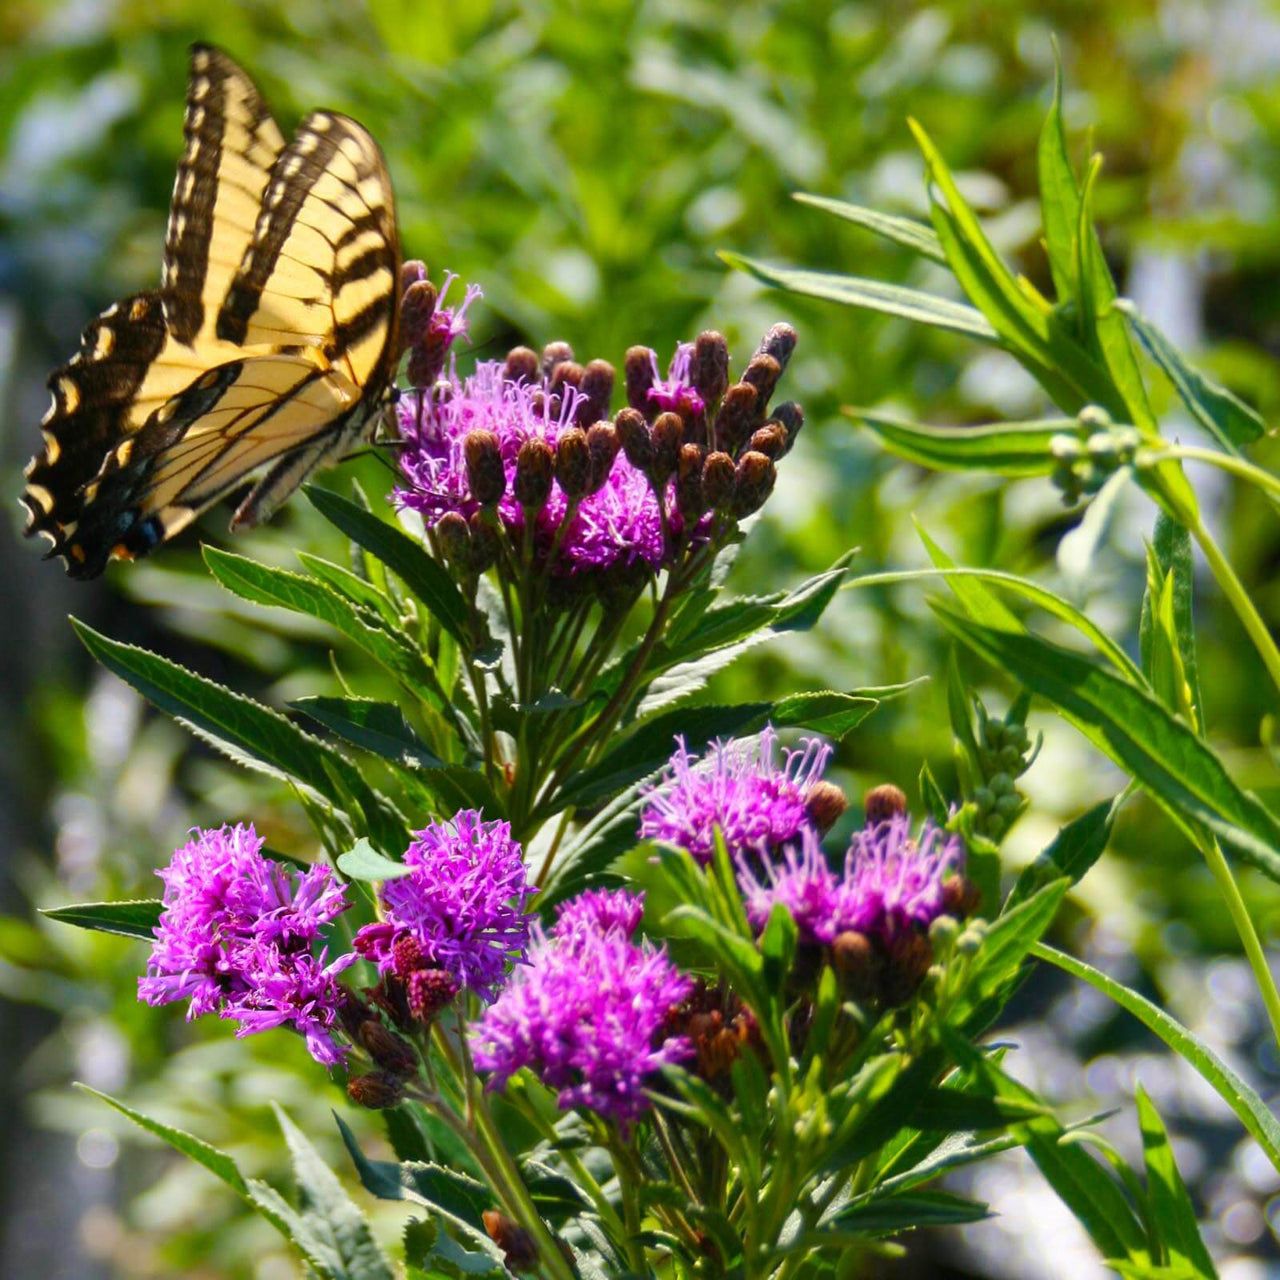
x: 1004, y: 753
x: 955, y: 944
x: 1086, y: 459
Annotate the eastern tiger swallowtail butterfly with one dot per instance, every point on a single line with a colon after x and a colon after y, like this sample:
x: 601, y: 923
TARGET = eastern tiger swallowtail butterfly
x: 269, y: 348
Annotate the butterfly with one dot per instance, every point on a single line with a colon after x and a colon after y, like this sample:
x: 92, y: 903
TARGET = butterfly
x: 268, y: 350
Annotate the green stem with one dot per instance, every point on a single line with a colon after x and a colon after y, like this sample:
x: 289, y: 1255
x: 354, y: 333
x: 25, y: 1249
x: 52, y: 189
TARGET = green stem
x: 1241, y: 467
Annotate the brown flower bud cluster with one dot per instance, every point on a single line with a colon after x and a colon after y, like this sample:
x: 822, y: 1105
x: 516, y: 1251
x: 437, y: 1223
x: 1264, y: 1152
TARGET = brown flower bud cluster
x: 719, y: 1027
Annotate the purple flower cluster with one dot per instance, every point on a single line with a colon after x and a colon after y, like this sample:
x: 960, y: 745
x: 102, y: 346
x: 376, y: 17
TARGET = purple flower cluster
x: 617, y: 524
x: 236, y: 936
x: 587, y: 1012
x: 740, y: 788
x: 462, y: 904
x: 890, y: 883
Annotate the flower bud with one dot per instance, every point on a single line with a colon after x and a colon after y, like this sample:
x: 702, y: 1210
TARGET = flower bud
x: 824, y: 804
x: 485, y: 544
x: 573, y: 462
x: 883, y: 802
x: 690, y: 501
x: 717, y: 480
x: 771, y: 440
x: 353, y: 1012
x: 960, y: 896
x: 737, y: 413
x: 790, y: 416
x: 406, y: 955
x: 485, y: 473
x: 910, y: 956
x: 555, y: 353
x: 857, y: 964
x: 597, y: 392
x: 778, y: 343
x: 602, y: 444
x: 454, y: 536
x: 426, y: 359
x: 416, y: 309
x: 429, y: 991
x: 535, y: 465
x: 762, y: 373
x: 637, y: 371
x: 521, y: 365
x: 519, y: 1252
x: 391, y: 1052
x: 378, y: 1091
x: 752, y: 484
x: 943, y: 931
x: 709, y: 371
x: 567, y: 371
x: 633, y: 432
x: 668, y: 433
x: 411, y: 273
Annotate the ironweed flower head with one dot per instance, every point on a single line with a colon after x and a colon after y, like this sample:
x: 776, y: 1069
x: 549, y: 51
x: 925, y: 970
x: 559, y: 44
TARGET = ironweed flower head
x: 740, y: 787
x: 587, y: 1013
x: 236, y: 934
x: 460, y: 909
x: 676, y: 393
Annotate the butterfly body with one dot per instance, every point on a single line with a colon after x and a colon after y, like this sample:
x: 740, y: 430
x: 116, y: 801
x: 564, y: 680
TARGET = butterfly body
x: 268, y: 350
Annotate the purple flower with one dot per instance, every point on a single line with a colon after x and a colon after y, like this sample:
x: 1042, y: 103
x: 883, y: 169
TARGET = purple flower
x: 738, y: 787
x: 890, y: 884
x: 462, y: 905
x: 448, y: 324
x: 676, y: 392
x: 236, y: 934
x: 586, y: 1013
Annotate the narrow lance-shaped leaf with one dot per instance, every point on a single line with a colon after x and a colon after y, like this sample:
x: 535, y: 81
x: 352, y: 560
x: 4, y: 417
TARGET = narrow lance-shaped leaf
x: 137, y: 919
x: 1170, y: 559
x: 1007, y: 448
x: 909, y: 233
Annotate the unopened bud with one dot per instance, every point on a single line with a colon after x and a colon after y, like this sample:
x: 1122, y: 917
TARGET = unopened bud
x: 638, y: 376
x: 353, y: 1012
x: 454, y: 536
x: 752, y: 484
x: 410, y: 273
x: 910, y: 956
x: 521, y: 365
x: 416, y: 309
x: 519, y: 1252
x: 633, y: 432
x: 485, y: 544
x: 429, y: 991
x: 486, y: 475
x: 406, y: 955
x: 378, y: 1091
x: 762, y: 373
x: 555, y: 353
x: 791, y: 417
x: 566, y: 372
x: 857, y: 963
x: 535, y: 465
x: 736, y: 416
x: 573, y: 462
x: 709, y: 371
x: 602, y: 444
x: 426, y: 359
x: 597, y: 392
x: 717, y: 480
x: 668, y: 433
x: 824, y: 804
x: 771, y: 440
x: 391, y: 1052
x: 778, y: 342
x: 690, y: 501
x: 883, y: 802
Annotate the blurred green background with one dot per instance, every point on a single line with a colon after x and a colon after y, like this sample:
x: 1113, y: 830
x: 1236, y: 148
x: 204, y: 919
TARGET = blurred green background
x: 583, y: 162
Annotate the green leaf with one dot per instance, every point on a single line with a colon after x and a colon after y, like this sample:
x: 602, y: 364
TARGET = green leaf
x: 1249, y: 1108
x: 364, y: 862
x: 250, y: 733
x: 136, y: 919
x: 890, y: 1215
x: 379, y: 727
x: 872, y: 295
x: 1007, y: 448
x: 1008, y: 942
x: 1171, y: 1207
x: 361, y: 593
x: 918, y: 236
x: 267, y: 585
x: 1138, y: 733
x: 1071, y: 853
x: 329, y: 1228
x: 400, y: 553
x: 1171, y: 559
x: 1226, y: 417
